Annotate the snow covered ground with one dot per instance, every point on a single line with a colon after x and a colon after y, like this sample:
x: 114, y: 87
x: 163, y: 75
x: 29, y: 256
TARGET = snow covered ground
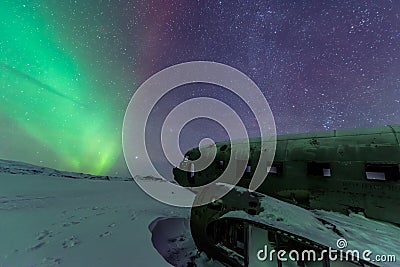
x: 50, y: 219
x: 326, y: 228
x: 15, y: 167
x: 55, y: 218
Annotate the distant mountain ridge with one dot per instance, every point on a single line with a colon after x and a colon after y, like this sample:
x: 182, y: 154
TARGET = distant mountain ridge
x: 22, y: 168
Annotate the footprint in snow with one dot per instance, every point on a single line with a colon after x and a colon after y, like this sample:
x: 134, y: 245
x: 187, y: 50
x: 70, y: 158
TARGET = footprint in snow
x: 67, y: 224
x: 108, y: 233
x: 43, y: 234
x: 49, y: 261
x: 37, y: 246
x: 133, y: 216
x: 73, y: 241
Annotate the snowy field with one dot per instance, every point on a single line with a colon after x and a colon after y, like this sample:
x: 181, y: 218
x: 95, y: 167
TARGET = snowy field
x: 52, y: 218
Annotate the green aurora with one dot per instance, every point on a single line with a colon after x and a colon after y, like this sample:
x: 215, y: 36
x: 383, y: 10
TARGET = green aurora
x: 51, y: 93
x: 69, y: 68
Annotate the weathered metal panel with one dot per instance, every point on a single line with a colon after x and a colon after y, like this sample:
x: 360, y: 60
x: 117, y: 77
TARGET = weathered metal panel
x: 363, y: 131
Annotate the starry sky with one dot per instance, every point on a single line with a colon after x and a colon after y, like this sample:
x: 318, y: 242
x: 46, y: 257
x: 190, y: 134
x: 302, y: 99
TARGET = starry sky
x: 69, y: 68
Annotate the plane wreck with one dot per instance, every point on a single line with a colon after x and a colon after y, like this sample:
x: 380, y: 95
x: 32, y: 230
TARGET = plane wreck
x: 320, y: 188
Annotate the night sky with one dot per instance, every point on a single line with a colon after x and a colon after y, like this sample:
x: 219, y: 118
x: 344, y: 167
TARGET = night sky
x: 69, y: 68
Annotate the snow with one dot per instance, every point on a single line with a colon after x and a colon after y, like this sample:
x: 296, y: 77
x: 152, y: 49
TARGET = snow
x: 48, y: 219
x: 14, y: 167
x: 55, y: 218
x: 171, y: 237
x: 325, y: 227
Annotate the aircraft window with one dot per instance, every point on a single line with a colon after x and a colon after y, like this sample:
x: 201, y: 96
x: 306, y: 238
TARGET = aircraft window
x: 272, y: 169
x: 247, y: 172
x: 248, y: 169
x: 190, y: 175
x: 375, y: 176
x: 318, y: 169
x: 276, y: 168
x: 220, y: 165
x: 382, y: 172
x: 223, y: 148
x: 327, y: 172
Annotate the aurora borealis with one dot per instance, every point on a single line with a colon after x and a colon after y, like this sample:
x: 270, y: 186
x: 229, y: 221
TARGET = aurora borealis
x: 69, y: 68
x: 50, y: 93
